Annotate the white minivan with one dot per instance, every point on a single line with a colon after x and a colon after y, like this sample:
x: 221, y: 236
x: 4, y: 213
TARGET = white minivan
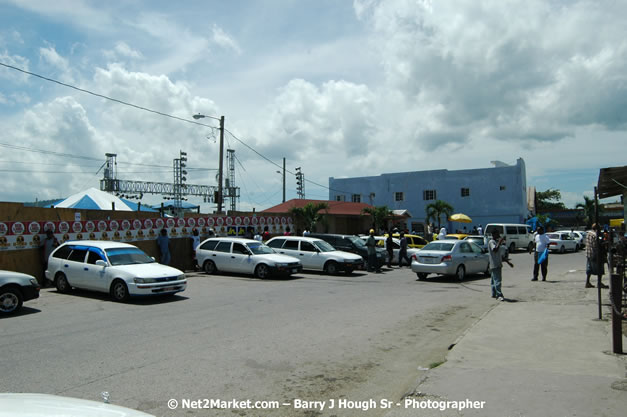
x: 516, y: 235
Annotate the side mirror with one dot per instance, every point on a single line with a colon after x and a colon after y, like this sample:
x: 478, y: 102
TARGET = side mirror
x: 100, y: 262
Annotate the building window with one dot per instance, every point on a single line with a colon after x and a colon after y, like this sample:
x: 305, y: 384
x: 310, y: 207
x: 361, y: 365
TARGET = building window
x: 356, y: 198
x: 340, y: 198
x: 399, y: 196
x: 465, y: 192
x: 502, y: 188
x: 429, y: 195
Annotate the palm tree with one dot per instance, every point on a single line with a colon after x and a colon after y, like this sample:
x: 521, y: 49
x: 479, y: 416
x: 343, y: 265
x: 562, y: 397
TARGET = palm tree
x: 379, y: 215
x: 309, y: 214
x: 588, y: 209
x: 436, y: 209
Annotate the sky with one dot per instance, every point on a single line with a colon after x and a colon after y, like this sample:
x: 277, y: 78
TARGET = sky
x: 338, y: 88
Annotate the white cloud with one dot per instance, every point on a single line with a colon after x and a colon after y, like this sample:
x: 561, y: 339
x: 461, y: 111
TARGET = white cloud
x: 15, y: 61
x: 52, y: 58
x: 122, y: 50
x: 222, y: 39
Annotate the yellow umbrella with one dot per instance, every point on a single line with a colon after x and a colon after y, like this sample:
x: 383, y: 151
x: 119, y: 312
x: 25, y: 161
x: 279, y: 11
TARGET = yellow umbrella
x: 460, y: 217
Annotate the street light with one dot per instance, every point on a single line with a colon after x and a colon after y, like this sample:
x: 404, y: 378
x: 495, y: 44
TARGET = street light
x: 221, y: 166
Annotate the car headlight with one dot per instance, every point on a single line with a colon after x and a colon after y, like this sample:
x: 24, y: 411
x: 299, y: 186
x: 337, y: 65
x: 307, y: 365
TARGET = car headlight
x: 180, y: 277
x: 34, y: 282
x: 144, y: 280
x: 281, y: 265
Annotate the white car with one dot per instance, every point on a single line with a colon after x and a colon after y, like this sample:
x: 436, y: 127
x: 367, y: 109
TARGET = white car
x: 246, y: 256
x: 561, y: 242
x: 45, y: 405
x: 580, y: 237
x: 119, y: 269
x: 316, y: 254
x: 396, y: 247
x: 450, y: 257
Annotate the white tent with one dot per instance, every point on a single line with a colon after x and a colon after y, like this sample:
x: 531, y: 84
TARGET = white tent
x: 93, y: 199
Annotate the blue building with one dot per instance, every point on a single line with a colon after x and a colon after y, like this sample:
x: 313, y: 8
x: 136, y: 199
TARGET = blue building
x: 486, y: 195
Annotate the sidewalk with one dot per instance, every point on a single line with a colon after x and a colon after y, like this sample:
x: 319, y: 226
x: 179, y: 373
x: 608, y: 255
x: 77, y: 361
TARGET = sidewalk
x: 543, y: 354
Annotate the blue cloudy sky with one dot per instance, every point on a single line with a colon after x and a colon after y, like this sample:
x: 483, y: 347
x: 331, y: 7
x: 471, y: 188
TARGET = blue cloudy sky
x: 339, y: 88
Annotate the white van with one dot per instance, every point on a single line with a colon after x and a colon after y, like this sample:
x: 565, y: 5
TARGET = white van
x: 516, y: 235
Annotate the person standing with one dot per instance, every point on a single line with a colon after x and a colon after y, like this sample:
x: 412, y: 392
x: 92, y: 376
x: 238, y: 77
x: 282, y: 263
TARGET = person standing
x: 163, y: 242
x: 541, y: 254
x: 498, y: 254
x: 593, y: 251
x: 47, y: 246
x: 389, y: 247
x: 371, y: 244
x: 480, y: 230
x: 402, y: 253
x: 195, y: 243
x: 442, y: 234
x: 266, y: 234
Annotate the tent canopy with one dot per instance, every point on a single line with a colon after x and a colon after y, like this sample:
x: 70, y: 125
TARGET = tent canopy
x: 172, y: 204
x: 94, y: 199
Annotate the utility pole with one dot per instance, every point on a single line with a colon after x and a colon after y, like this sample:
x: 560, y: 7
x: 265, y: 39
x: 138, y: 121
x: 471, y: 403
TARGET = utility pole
x: 221, y: 167
x: 284, y: 180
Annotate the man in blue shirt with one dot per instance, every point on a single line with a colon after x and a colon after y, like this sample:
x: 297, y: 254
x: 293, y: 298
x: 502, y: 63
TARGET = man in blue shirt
x: 163, y: 242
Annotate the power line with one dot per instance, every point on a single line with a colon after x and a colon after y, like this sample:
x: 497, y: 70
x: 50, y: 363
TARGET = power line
x: 158, y: 113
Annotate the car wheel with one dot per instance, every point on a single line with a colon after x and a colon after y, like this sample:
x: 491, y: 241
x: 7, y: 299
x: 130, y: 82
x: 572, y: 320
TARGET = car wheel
x: 348, y: 271
x: 577, y: 247
x: 562, y: 249
x: 421, y: 275
x: 512, y: 247
x: 262, y: 271
x: 10, y: 300
x: 119, y: 291
x: 487, y: 270
x: 530, y: 247
x: 209, y: 267
x: 62, y: 284
x: 331, y: 268
x: 460, y: 273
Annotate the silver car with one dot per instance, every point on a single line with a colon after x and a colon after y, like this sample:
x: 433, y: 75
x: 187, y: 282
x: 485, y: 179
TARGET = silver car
x: 450, y: 257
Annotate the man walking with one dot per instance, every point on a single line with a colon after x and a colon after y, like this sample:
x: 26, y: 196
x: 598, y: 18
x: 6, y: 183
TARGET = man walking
x: 541, y: 254
x: 402, y: 253
x: 497, y: 251
x: 163, y: 242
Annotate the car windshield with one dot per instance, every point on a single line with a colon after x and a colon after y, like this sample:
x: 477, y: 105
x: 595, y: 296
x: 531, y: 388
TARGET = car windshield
x: 439, y: 246
x: 260, y: 249
x: 324, y: 246
x: 127, y: 256
x: 357, y: 241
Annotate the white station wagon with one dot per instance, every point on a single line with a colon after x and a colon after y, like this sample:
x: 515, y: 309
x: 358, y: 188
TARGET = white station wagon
x: 120, y: 269
x: 247, y: 256
x: 316, y: 254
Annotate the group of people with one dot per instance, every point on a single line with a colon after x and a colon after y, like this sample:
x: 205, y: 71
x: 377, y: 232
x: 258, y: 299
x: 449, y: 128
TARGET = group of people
x: 371, y: 244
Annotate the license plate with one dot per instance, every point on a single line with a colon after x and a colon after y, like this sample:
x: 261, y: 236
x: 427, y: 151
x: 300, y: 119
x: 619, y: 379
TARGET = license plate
x: 294, y: 271
x: 429, y: 260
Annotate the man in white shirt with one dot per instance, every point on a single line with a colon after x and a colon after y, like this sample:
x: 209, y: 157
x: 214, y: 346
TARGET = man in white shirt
x: 541, y: 251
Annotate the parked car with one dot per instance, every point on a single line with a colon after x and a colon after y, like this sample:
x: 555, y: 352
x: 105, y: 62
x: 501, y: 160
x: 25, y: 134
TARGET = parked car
x: 246, y: 256
x: 450, y: 257
x: 580, y: 237
x: 517, y: 235
x: 455, y: 236
x: 45, y: 405
x: 316, y: 254
x: 15, y: 288
x: 413, y: 241
x: 561, y: 242
x: 396, y: 247
x: 351, y: 243
x: 120, y: 269
x: 477, y: 240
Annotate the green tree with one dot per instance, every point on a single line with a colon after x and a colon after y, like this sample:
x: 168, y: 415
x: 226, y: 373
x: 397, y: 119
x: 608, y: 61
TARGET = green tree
x: 588, y: 210
x: 379, y: 215
x: 309, y: 215
x: 437, y: 209
x: 549, y: 200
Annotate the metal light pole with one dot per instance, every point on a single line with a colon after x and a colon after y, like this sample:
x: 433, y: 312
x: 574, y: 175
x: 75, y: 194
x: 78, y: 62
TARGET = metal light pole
x: 221, y: 165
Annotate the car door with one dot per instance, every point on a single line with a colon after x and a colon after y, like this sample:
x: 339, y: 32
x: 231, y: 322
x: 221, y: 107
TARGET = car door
x: 469, y: 258
x: 95, y: 275
x: 310, y: 256
x: 221, y: 256
x: 74, y: 267
x: 241, y: 259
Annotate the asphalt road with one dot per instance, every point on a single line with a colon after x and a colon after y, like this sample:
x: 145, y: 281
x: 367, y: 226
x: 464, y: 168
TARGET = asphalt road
x: 312, y: 337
